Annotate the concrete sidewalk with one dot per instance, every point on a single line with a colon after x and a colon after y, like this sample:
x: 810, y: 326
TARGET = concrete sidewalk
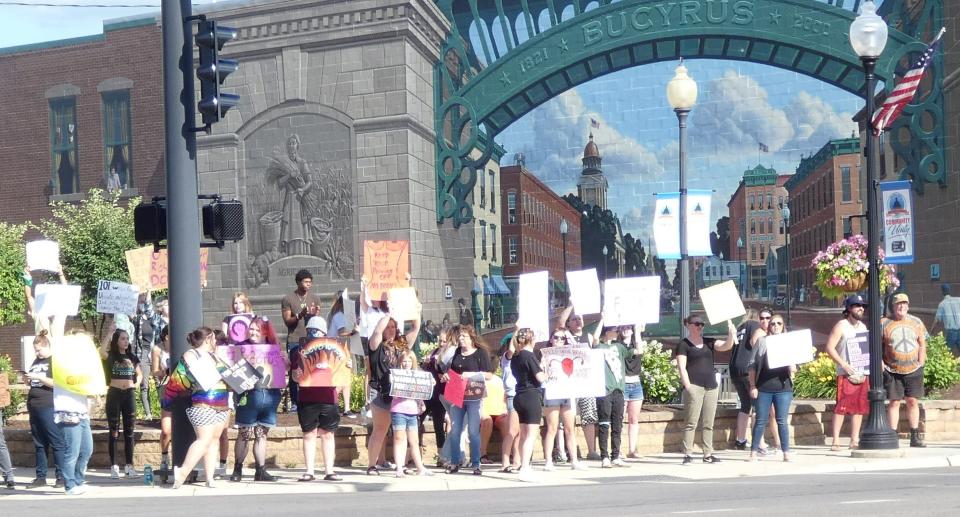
x: 656, y: 468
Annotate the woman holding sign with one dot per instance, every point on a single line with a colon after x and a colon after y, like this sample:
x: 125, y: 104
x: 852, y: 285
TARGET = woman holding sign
x: 770, y: 386
x: 561, y: 410
x: 528, y: 399
x: 471, y: 357
x: 695, y: 360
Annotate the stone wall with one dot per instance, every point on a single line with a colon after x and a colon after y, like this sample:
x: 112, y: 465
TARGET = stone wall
x: 661, y: 431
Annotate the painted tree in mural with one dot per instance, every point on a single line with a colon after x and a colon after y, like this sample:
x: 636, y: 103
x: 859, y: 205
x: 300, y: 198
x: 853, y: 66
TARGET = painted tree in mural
x: 599, y: 229
x: 723, y: 237
x: 635, y: 256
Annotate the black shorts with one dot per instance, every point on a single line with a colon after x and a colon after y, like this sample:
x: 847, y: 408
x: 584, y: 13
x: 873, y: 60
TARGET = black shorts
x: 900, y: 385
x: 529, y: 406
x: 742, y: 384
x: 313, y: 415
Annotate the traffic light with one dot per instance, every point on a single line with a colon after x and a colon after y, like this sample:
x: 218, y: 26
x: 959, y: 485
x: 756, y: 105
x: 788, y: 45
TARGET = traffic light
x: 150, y: 222
x: 223, y: 221
x: 213, y: 71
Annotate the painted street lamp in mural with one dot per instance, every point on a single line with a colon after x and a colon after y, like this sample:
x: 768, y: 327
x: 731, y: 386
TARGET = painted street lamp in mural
x: 785, y: 213
x: 682, y: 95
x: 743, y: 286
x: 868, y: 37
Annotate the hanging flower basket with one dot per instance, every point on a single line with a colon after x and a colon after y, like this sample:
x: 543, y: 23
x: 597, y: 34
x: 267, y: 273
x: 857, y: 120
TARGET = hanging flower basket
x: 842, y: 269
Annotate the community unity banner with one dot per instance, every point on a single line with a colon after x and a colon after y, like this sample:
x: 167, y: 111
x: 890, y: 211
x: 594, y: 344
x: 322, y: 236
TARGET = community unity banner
x: 698, y: 223
x: 666, y: 225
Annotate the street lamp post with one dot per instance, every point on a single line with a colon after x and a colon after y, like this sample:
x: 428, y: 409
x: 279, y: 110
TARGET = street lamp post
x: 682, y: 95
x: 563, y: 234
x: 785, y: 212
x: 868, y: 37
x: 740, y: 246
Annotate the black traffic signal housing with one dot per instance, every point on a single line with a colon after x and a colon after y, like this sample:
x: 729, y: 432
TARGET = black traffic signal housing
x: 150, y: 222
x: 223, y: 221
x: 213, y: 71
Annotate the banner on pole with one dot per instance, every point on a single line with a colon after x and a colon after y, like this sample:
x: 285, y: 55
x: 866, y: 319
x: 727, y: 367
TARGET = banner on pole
x: 666, y: 225
x: 898, y: 222
x: 698, y: 223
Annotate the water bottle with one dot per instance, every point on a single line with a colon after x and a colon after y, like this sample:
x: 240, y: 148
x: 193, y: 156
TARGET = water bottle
x: 148, y: 475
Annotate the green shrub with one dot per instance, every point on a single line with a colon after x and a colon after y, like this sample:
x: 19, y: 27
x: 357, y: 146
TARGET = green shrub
x: 942, y: 369
x: 17, y: 397
x: 660, y: 378
x: 357, y: 396
x: 154, y: 397
x: 816, y: 379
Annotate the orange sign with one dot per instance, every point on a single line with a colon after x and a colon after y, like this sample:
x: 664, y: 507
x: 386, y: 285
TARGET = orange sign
x: 326, y: 362
x: 150, y: 271
x: 386, y: 265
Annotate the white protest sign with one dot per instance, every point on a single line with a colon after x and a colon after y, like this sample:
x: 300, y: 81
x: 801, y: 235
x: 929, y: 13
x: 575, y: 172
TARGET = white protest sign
x: 858, y: 352
x: 631, y: 301
x: 403, y: 303
x: 57, y: 299
x: 27, y: 352
x: 573, y: 372
x: 789, y: 348
x: 411, y: 384
x: 533, y: 304
x: 584, y: 291
x: 43, y: 255
x: 117, y: 297
x: 204, y: 370
x: 722, y: 302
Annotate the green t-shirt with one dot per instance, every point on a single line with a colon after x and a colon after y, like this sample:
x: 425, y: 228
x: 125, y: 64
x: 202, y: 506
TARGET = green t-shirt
x: 614, y: 354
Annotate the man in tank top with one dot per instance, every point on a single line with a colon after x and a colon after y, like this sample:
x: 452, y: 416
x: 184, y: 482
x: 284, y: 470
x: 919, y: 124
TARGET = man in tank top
x: 844, y: 347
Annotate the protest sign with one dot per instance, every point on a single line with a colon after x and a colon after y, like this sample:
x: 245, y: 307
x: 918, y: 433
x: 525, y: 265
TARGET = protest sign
x: 203, y: 368
x: 533, y: 304
x: 574, y: 372
x: 57, y: 300
x: 631, y: 301
x: 43, y: 255
x: 455, y: 388
x: 386, y: 265
x: 326, y: 362
x: 238, y: 327
x: 403, y: 303
x: 722, y: 302
x: 858, y: 352
x: 476, y: 386
x: 789, y: 348
x: 149, y: 270
x: 494, y: 404
x: 240, y: 376
x: 27, y: 352
x: 268, y: 359
x: 76, y: 365
x: 584, y: 291
x: 411, y: 384
x: 116, y: 297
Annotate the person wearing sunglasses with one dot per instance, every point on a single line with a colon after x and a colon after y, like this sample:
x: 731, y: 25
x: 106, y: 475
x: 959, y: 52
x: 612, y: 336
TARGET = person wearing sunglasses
x: 695, y: 360
x: 557, y: 411
x: 770, y: 386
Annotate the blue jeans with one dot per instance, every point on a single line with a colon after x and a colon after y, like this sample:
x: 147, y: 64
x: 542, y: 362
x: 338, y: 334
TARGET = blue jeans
x: 6, y: 466
x: 46, y: 436
x: 781, y: 401
x: 471, y: 412
x: 953, y: 340
x: 447, y: 442
x: 79, y: 441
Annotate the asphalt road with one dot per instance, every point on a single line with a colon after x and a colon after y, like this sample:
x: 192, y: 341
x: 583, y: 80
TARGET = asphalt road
x: 910, y: 492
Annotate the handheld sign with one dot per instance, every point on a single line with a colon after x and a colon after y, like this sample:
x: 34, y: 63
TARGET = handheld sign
x: 386, y: 265
x: 411, y: 384
x: 57, y: 299
x: 43, y: 255
x: 631, y: 301
x: 573, y: 372
x: 116, y: 297
x: 722, y: 302
x: 794, y: 347
x: 584, y: 291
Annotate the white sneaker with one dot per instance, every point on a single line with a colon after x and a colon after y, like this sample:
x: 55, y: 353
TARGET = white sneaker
x: 548, y: 467
x: 606, y: 463
x: 77, y: 490
x: 130, y: 471
x: 114, y: 472
x: 619, y: 463
x: 527, y: 475
x: 578, y: 465
x: 220, y: 471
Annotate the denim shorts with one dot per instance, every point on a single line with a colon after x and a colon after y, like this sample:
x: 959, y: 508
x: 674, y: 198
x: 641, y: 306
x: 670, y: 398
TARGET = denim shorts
x: 401, y: 421
x: 633, y: 391
x: 259, y: 408
x: 510, y: 408
x: 559, y: 403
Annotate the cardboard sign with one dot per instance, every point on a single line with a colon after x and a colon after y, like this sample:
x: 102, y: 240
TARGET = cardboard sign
x: 495, y: 403
x: 584, y: 291
x: 858, y: 352
x: 43, y: 255
x: 116, y: 297
x: 631, y: 301
x: 76, y: 365
x: 204, y: 370
x: 533, y: 304
x: 149, y: 270
x: 326, y: 362
x: 386, y: 265
x: 57, y: 300
x: 573, y: 372
x: 411, y: 384
x: 403, y: 303
x: 27, y: 352
x: 789, y: 348
x: 722, y: 302
x: 269, y: 360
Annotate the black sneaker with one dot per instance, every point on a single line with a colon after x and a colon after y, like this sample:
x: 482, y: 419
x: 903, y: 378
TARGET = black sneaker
x: 37, y: 483
x: 740, y: 446
x: 711, y: 459
x: 687, y: 460
x: 10, y: 484
x: 58, y: 483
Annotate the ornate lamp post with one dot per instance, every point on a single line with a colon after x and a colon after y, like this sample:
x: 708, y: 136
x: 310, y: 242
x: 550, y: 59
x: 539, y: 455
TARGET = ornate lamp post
x: 868, y: 37
x: 682, y: 95
x: 740, y: 246
x: 785, y: 213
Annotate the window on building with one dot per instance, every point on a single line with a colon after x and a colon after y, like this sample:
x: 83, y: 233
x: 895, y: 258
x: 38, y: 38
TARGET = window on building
x: 483, y: 188
x: 763, y: 253
x: 770, y: 225
x: 117, y: 138
x: 511, y: 207
x: 753, y: 252
x: 845, y: 188
x: 752, y: 198
x: 753, y: 226
x: 493, y: 191
x: 63, y: 145
x: 512, y: 250
x: 769, y: 200
x: 781, y: 227
x: 780, y: 202
x: 483, y: 240
x: 493, y: 243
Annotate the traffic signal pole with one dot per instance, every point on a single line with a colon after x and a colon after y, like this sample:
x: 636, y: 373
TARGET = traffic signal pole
x: 183, y: 214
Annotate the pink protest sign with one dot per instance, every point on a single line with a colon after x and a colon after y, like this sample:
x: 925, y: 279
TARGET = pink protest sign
x: 268, y: 359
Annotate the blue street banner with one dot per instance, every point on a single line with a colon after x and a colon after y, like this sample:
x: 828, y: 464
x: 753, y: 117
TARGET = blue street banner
x: 896, y: 200
x: 698, y: 223
x: 666, y: 225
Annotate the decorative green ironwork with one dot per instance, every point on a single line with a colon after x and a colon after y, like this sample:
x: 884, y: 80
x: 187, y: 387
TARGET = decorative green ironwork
x: 503, y: 58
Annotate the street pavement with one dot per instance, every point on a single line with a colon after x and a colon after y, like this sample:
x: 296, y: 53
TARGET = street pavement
x: 806, y: 460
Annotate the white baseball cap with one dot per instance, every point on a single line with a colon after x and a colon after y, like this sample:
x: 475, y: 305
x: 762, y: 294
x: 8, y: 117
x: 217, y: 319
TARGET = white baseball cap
x: 317, y: 323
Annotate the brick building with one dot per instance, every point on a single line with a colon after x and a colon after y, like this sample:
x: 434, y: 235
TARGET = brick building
x: 74, y: 110
x: 824, y: 194
x: 531, y: 223
x: 756, y: 222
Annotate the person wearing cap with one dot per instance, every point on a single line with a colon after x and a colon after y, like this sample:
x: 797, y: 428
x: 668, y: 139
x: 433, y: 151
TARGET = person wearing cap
x: 948, y: 315
x: 904, y: 354
x: 852, y: 385
x: 317, y: 412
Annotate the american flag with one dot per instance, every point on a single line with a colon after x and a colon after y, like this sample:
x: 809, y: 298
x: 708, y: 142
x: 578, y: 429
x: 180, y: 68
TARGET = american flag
x: 594, y: 124
x: 905, y: 90
x: 763, y: 147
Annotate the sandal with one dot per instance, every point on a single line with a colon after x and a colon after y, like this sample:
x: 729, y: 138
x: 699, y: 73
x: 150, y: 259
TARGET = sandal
x: 306, y: 478
x: 409, y: 471
x: 854, y: 446
x: 453, y: 469
x: 836, y: 448
x: 373, y: 471
x: 507, y: 470
x: 332, y: 477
